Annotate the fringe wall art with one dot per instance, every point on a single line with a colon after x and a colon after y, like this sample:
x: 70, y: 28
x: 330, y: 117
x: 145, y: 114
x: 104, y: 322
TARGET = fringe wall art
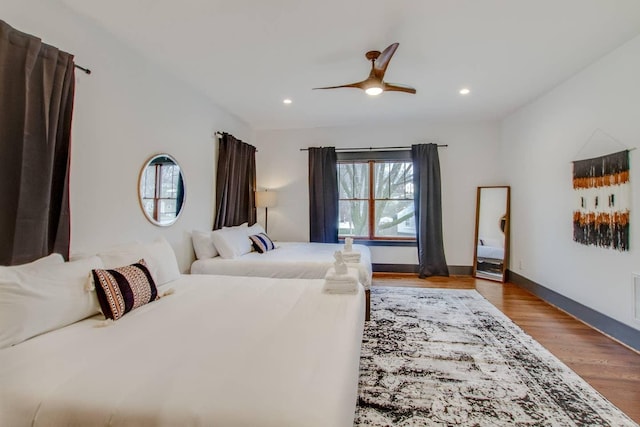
x: 603, y: 194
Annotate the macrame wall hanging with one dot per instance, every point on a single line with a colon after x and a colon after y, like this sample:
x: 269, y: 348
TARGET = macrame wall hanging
x: 603, y: 196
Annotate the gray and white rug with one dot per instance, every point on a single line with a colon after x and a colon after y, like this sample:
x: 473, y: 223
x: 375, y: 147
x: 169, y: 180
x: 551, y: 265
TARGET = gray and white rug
x: 435, y: 357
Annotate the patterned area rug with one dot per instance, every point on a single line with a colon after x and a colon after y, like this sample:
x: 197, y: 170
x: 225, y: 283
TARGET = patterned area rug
x: 435, y: 357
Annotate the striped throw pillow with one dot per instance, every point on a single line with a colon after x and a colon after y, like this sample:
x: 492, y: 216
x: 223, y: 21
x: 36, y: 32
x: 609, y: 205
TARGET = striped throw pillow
x: 123, y: 289
x: 262, y: 243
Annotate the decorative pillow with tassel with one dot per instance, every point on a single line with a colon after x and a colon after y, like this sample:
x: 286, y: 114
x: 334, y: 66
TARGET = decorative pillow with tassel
x: 121, y: 290
x: 262, y: 243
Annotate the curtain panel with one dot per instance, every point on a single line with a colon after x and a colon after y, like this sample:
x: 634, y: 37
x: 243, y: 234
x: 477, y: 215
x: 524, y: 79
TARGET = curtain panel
x: 323, y: 195
x: 37, y: 84
x: 235, y: 183
x: 428, y: 210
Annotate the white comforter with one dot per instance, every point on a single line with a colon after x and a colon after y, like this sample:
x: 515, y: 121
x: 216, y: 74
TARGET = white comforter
x: 223, y: 351
x: 490, y: 252
x: 288, y: 260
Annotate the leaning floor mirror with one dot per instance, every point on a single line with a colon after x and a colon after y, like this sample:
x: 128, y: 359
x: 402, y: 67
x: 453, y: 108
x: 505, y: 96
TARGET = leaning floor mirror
x: 492, y: 233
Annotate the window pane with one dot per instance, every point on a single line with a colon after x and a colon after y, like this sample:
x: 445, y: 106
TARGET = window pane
x: 395, y: 218
x: 354, y: 218
x: 353, y: 180
x: 169, y: 181
x: 394, y: 180
x: 343, y: 180
x: 401, y: 180
x: 167, y: 210
x: 381, y: 178
x: 148, y: 182
x: 147, y: 205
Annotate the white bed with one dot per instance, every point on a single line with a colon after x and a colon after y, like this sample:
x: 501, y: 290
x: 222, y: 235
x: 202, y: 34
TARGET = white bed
x: 288, y: 260
x: 225, y: 351
x: 491, y: 253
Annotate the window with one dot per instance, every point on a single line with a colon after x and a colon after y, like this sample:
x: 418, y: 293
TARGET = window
x: 159, y: 187
x: 376, y: 199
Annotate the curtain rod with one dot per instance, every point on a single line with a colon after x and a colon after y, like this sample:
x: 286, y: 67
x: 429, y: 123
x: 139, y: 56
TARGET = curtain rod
x: 218, y: 136
x: 376, y: 148
x: 86, y: 70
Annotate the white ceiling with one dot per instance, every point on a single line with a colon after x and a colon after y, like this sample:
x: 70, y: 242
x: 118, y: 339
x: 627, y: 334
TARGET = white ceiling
x: 248, y: 55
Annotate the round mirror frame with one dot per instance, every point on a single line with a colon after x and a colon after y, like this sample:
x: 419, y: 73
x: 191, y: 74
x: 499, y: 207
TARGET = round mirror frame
x: 142, y: 199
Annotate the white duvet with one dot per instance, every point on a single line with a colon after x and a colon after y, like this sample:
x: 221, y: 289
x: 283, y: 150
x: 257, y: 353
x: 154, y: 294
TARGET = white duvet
x: 490, y: 252
x: 288, y: 260
x: 221, y: 351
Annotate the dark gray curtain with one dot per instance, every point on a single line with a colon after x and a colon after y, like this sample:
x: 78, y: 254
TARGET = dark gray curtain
x: 428, y: 210
x: 323, y: 195
x: 36, y: 104
x: 235, y: 183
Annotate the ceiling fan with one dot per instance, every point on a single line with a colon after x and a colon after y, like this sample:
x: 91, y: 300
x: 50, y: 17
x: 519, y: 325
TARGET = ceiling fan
x: 374, y: 85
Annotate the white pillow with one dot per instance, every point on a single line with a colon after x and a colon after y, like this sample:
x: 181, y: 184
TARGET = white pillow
x: 231, y: 242
x: 123, y: 255
x: 158, y: 255
x: 243, y: 225
x: 203, y: 244
x: 34, y: 301
x: 489, y: 241
x: 255, y: 229
x: 40, y: 262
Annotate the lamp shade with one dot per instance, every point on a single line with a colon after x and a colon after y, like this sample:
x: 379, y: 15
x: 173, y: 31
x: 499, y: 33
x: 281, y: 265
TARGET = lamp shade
x: 266, y: 199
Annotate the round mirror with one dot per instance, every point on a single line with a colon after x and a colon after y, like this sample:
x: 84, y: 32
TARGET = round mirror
x: 161, y: 190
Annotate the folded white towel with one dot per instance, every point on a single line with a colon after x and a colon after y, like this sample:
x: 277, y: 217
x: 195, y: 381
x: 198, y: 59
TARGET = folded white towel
x: 340, y: 288
x: 352, y: 256
x: 341, y: 283
x: 348, y: 244
x: 352, y: 275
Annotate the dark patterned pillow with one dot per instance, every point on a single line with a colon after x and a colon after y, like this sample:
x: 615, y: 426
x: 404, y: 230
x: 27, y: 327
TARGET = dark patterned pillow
x: 123, y: 289
x: 262, y: 243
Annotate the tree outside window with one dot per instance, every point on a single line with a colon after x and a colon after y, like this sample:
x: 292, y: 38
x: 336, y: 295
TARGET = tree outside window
x: 381, y: 190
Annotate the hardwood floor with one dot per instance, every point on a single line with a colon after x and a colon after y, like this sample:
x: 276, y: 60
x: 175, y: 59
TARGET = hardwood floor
x: 610, y: 367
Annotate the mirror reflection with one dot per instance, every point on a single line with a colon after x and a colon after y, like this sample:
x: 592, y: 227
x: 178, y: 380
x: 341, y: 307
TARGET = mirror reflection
x: 161, y: 190
x: 492, y: 233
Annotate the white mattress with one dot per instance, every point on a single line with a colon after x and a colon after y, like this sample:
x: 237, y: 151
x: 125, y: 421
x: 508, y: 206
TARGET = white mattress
x: 288, y: 260
x: 225, y: 351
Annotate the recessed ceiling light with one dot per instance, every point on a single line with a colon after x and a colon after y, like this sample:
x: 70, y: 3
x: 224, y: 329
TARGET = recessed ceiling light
x: 464, y: 91
x: 287, y: 101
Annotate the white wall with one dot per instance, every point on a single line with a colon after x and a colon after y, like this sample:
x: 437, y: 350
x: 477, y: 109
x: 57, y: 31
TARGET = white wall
x: 470, y: 160
x: 126, y: 111
x: 539, y: 142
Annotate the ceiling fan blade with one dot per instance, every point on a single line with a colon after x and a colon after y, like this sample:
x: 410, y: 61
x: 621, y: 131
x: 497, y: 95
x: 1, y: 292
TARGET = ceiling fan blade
x: 358, y: 85
x: 390, y: 87
x: 381, y: 63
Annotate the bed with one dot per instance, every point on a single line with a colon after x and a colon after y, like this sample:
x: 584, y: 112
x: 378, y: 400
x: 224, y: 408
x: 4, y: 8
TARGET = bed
x: 213, y: 350
x: 490, y: 259
x: 221, y: 350
x: 288, y: 260
x: 494, y: 254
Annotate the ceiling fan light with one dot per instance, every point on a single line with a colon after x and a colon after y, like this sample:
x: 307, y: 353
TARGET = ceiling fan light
x: 374, y: 90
